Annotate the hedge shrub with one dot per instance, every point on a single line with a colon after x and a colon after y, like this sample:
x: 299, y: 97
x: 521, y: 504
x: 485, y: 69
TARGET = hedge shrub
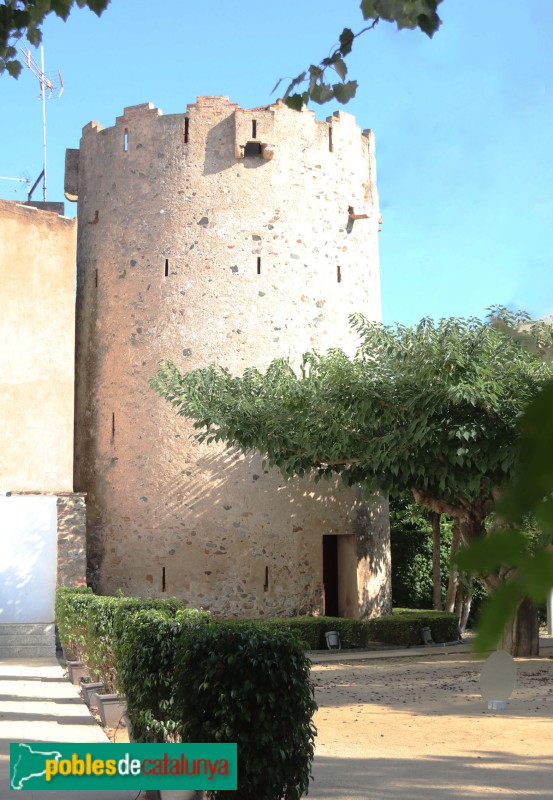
x: 311, y: 630
x: 354, y: 633
x: 404, y: 627
x: 71, y: 608
x: 308, y: 630
x: 100, y: 655
x: 145, y: 643
x: 86, y: 626
x: 249, y: 684
x: 169, y: 605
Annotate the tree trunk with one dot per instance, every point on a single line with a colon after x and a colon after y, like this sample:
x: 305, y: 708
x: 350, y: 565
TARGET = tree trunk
x: 521, y: 636
x: 467, y: 602
x: 459, y: 595
x: 436, y: 568
x: 453, y: 574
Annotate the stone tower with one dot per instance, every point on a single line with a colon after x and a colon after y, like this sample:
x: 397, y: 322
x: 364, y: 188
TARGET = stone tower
x: 222, y: 235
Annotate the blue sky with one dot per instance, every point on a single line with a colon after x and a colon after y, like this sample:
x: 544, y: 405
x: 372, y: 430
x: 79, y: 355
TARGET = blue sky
x: 463, y: 123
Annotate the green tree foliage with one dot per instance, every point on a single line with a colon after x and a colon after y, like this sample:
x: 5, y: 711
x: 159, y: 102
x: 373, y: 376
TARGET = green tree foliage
x: 526, y: 560
x: 433, y: 408
x: 24, y: 18
x: 316, y: 83
x: 411, y: 548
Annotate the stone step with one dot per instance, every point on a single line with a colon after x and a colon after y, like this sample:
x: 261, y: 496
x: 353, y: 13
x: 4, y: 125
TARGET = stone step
x: 26, y: 651
x: 27, y: 639
x: 17, y: 628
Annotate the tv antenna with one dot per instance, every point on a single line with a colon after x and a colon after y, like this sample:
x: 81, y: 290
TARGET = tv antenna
x: 19, y: 180
x: 51, y: 85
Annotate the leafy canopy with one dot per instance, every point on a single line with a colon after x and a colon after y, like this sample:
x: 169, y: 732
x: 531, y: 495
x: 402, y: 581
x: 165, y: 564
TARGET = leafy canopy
x: 411, y: 14
x: 19, y: 18
x: 433, y: 408
x: 530, y: 495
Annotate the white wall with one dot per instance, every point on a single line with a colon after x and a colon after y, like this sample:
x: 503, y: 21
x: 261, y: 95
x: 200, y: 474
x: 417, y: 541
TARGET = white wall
x: 28, y: 553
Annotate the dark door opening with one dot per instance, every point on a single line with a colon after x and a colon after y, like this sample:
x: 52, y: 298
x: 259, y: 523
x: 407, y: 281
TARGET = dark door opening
x: 253, y: 149
x: 330, y: 575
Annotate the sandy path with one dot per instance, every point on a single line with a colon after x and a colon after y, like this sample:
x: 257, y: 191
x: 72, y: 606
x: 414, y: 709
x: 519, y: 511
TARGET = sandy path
x: 417, y: 729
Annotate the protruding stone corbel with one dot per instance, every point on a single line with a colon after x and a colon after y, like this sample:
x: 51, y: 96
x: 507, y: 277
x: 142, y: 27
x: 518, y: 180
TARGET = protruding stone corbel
x: 268, y: 151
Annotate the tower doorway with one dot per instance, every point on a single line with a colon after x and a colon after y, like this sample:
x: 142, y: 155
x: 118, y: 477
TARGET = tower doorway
x: 330, y: 576
x: 340, y: 576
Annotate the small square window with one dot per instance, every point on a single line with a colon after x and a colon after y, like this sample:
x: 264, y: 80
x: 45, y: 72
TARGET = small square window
x: 252, y: 149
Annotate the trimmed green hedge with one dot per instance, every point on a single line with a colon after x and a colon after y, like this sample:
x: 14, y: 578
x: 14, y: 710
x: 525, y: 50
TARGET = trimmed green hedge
x: 307, y: 630
x: 145, y: 643
x: 188, y: 678
x: 71, y: 608
x: 100, y: 641
x: 86, y: 621
x: 86, y: 626
x: 170, y: 605
x: 311, y: 630
x: 403, y: 627
x: 250, y: 684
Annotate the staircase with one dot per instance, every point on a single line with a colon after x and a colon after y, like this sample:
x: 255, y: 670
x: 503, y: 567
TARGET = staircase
x: 30, y: 640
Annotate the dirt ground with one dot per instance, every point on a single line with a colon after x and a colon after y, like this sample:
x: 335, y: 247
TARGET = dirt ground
x: 417, y: 728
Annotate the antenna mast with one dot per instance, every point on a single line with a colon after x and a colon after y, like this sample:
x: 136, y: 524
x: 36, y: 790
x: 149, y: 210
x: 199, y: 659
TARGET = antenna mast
x: 50, y: 86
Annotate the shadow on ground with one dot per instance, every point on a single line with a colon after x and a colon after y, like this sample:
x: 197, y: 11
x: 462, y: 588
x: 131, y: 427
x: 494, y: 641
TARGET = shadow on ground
x: 452, y: 778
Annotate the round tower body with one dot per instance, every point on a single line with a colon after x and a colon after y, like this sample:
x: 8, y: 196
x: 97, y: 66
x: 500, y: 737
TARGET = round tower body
x: 225, y: 236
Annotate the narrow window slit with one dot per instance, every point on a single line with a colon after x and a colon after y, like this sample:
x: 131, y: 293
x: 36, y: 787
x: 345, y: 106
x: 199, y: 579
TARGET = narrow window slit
x: 166, y: 267
x: 330, y: 142
x: 339, y: 274
x: 96, y: 278
x: 254, y: 129
x: 259, y: 265
x: 266, y: 584
x: 163, y: 584
x: 113, y: 425
x: 126, y: 140
x: 186, y: 131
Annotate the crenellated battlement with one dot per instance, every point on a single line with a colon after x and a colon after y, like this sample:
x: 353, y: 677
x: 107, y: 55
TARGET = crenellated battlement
x: 131, y: 113
x: 214, y: 127
x: 217, y: 101
x: 221, y: 105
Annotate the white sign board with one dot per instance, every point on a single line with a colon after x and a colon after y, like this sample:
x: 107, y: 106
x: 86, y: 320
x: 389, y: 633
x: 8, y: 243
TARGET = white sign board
x: 28, y: 558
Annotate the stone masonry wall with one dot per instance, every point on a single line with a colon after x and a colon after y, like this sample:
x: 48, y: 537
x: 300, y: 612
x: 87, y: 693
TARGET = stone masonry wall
x: 71, y: 540
x: 221, y: 235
